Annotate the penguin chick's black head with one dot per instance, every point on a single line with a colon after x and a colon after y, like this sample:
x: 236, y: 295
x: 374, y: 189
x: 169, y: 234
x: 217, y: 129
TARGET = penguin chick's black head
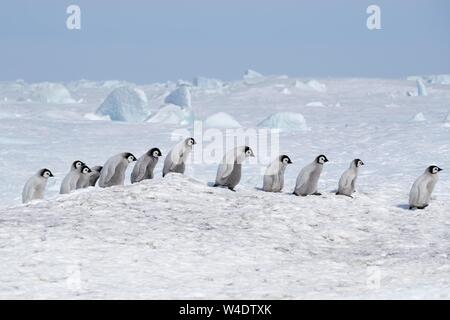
x: 45, y: 173
x: 190, y: 141
x: 434, y: 169
x: 248, y: 151
x: 77, y: 164
x: 321, y: 159
x: 285, y: 159
x: 358, y: 162
x: 129, y: 156
x: 85, y: 169
x: 154, y: 152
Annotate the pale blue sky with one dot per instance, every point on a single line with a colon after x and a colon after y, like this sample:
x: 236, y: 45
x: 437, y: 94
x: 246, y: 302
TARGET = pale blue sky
x: 147, y: 41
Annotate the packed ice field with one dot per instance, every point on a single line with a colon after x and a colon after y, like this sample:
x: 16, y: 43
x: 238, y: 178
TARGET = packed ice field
x: 178, y: 237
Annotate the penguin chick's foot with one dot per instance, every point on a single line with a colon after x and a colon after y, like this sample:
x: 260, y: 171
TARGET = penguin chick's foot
x: 316, y: 194
x: 229, y: 188
x: 341, y: 194
x: 422, y: 207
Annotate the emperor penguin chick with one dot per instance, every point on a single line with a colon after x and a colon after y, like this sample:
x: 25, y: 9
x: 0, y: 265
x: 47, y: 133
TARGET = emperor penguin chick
x: 274, y: 175
x: 35, y: 186
x: 176, y: 158
x: 348, y: 179
x: 229, y: 171
x: 308, y: 177
x: 69, y: 182
x: 143, y: 169
x: 83, y: 180
x: 113, y: 172
x: 420, y: 195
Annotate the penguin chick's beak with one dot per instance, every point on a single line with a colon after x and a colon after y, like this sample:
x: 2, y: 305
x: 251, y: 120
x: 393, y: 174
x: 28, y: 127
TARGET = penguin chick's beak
x: 439, y: 169
x: 290, y: 162
x: 51, y: 174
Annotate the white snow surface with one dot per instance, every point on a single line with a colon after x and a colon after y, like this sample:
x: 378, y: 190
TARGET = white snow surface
x: 124, y: 104
x: 178, y: 237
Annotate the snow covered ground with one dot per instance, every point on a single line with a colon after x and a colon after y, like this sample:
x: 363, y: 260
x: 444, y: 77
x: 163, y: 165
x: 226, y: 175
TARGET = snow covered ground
x: 179, y: 238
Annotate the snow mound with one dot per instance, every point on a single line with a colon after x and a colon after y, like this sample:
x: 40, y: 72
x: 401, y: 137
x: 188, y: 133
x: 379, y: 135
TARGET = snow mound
x: 252, y: 74
x: 95, y: 117
x: 252, y: 77
x: 310, y: 85
x: 172, y: 114
x: 124, y: 104
x: 180, y: 97
x: 317, y: 86
x: 285, y: 121
x: 421, y: 89
x: 221, y: 120
x: 47, y: 92
x: 315, y: 104
x: 286, y: 91
x: 208, y: 83
x: 447, y: 121
x: 420, y: 117
x: 432, y: 79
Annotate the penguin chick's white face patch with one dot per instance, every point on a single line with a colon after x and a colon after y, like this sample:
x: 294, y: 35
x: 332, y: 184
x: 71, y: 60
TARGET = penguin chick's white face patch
x: 434, y: 169
x: 131, y: 158
x: 322, y: 159
x: 78, y: 164
x: 286, y: 160
x: 359, y: 163
x: 86, y: 170
x: 156, y: 154
x: 47, y: 174
x: 249, y: 152
x: 191, y: 142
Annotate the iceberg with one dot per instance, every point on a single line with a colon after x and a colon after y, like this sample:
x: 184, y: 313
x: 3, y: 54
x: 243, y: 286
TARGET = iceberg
x: 285, y: 121
x: 124, y: 104
x: 221, y: 120
x: 48, y: 92
x: 172, y: 114
x: 180, y: 97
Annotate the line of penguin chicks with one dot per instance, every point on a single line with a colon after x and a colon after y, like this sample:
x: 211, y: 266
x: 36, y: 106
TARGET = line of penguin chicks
x: 112, y: 173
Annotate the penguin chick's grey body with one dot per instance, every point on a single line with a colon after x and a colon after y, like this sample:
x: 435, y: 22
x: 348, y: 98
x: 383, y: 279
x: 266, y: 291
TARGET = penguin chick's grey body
x: 229, y: 171
x: 348, y: 179
x: 274, y: 175
x: 35, y: 186
x: 420, y: 195
x: 176, y: 158
x: 308, y: 177
x: 113, y: 172
x: 143, y: 169
x: 83, y: 180
x: 95, y: 174
x: 69, y: 182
